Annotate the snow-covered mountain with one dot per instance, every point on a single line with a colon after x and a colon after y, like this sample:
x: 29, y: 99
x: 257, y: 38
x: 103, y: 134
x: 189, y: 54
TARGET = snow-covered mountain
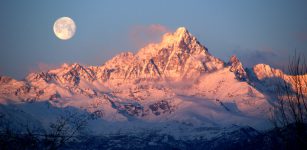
x: 175, y: 86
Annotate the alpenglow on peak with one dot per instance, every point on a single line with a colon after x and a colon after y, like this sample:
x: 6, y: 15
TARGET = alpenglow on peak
x: 181, y: 31
x: 177, y: 36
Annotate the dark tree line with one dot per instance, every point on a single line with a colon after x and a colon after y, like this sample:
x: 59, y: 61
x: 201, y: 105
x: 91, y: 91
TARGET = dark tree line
x: 66, y: 128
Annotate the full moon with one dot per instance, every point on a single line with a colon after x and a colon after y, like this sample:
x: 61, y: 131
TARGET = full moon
x: 64, y: 28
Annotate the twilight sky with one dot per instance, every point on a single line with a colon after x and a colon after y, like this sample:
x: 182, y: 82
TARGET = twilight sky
x: 259, y: 31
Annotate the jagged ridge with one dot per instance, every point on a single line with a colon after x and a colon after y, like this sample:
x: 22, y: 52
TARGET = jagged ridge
x: 176, y: 78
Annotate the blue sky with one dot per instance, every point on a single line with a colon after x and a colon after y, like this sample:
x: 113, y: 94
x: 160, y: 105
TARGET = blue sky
x: 259, y: 31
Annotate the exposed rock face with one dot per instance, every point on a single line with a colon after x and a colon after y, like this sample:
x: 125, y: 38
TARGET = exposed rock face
x: 237, y: 68
x: 5, y: 79
x: 178, y: 56
x: 66, y: 74
x: 161, y: 107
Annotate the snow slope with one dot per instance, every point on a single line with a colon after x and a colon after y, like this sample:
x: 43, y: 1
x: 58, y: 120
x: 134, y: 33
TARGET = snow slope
x: 175, y: 86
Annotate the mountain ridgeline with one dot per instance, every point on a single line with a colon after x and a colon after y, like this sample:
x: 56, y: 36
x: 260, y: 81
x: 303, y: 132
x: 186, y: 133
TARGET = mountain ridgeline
x: 175, y: 87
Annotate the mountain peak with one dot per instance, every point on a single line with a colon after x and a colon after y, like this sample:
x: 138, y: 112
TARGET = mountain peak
x: 76, y: 66
x: 263, y: 71
x: 233, y: 59
x: 179, y: 54
x: 182, y: 31
x: 181, y: 34
x: 181, y: 40
x: 237, y: 68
